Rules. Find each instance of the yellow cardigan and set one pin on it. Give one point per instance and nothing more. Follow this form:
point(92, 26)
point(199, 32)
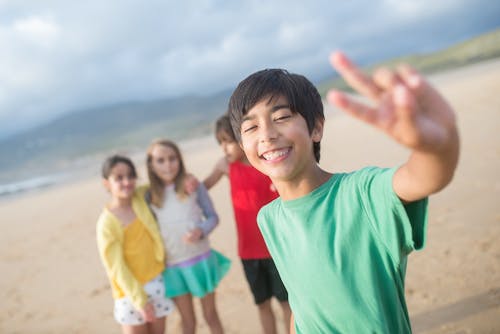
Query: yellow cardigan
point(110, 244)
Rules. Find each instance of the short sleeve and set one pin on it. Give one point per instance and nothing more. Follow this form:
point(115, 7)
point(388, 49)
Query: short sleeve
point(401, 227)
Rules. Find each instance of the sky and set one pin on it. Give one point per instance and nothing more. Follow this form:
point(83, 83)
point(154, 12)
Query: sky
point(59, 56)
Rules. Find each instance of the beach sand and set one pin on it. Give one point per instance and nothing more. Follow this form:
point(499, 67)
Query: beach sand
point(52, 280)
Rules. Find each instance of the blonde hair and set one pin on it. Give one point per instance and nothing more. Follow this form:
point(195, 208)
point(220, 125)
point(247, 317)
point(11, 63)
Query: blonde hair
point(157, 186)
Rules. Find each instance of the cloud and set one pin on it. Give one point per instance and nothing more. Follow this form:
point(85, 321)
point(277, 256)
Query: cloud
point(59, 56)
point(39, 31)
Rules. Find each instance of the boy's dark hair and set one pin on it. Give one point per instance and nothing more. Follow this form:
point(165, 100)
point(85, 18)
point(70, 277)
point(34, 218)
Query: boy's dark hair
point(223, 125)
point(302, 96)
point(112, 161)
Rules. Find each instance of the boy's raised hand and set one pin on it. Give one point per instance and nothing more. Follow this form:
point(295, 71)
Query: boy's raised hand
point(405, 105)
point(412, 112)
point(191, 183)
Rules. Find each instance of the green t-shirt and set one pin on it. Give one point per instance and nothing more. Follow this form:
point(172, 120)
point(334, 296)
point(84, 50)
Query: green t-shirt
point(341, 252)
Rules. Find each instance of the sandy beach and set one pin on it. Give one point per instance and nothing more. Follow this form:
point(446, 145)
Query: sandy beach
point(52, 280)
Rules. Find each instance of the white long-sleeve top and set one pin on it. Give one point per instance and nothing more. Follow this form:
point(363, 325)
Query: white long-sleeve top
point(179, 216)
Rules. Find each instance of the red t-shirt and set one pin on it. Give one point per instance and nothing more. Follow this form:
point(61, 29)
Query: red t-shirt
point(250, 191)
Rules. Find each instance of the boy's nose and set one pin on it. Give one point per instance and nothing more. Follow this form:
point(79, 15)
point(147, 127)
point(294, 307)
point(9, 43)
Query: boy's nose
point(268, 132)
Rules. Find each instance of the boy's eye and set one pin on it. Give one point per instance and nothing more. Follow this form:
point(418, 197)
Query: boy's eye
point(282, 117)
point(282, 114)
point(248, 128)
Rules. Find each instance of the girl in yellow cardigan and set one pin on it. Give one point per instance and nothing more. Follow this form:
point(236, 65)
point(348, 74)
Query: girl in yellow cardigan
point(132, 252)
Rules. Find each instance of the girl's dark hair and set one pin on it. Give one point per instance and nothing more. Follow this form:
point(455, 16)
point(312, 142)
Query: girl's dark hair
point(112, 161)
point(270, 84)
point(223, 125)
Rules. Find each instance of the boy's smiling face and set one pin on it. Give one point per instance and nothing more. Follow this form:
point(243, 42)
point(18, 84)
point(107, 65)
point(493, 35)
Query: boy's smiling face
point(277, 141)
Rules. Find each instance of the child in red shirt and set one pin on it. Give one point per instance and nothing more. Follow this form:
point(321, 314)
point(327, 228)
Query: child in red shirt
point(250, 190)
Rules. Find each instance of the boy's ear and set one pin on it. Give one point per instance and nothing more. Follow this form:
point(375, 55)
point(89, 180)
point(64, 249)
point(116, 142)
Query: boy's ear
point(317, 132)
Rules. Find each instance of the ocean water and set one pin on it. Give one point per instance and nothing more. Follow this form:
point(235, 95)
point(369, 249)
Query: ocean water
point(35, 177)
point(26, 180)
point(30, 184)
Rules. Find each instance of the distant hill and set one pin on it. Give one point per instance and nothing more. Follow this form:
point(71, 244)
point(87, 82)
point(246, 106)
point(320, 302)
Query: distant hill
point(93, 131)
point(69, 140)
point(483, 47)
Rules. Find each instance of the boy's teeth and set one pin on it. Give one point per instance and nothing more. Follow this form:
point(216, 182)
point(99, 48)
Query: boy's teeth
point(274, 154)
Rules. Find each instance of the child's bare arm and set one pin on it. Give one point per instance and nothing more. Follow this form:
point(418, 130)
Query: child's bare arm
point(412, 112)
point(220, 169)
point(148, 312)
point(193, 236)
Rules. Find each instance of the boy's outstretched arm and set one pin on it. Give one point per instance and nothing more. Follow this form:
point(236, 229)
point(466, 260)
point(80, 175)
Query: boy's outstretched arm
point(221, 168)
point(413, 113)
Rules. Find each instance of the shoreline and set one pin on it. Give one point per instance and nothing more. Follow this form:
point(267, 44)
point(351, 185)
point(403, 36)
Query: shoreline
point(51, 179)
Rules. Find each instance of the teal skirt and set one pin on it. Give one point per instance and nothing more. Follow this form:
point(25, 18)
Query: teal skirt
point(199, 276)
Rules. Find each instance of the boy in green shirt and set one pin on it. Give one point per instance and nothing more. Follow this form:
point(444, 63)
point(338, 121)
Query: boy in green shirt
point(340, 241)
